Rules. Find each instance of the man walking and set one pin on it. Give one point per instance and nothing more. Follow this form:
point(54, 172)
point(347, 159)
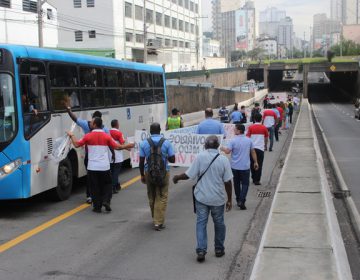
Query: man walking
point(270, 120)
point(174, 121)
point(209, 125)
point(254, 111)
point(118, 157)
point(157, 151)
point(240, 148)
point(210, 195)
point(259, 134)
point(98, 166)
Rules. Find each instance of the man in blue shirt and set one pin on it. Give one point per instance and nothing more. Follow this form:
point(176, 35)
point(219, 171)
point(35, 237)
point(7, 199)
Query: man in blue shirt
point(157, 194)
point(209, 125)
point(236, 116)
point(212, 194)
point(240, 147)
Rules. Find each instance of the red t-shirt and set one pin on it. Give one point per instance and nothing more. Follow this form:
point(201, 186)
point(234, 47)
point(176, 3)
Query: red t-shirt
point(258, 132)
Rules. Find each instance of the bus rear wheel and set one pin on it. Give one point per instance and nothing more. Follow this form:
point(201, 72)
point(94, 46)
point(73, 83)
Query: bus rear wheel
point(65, 181)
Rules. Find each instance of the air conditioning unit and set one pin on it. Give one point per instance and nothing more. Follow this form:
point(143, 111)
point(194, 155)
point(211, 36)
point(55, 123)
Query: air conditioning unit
point(154, 43)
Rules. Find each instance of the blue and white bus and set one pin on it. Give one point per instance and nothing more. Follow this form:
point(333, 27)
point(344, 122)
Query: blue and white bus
point(41, 79)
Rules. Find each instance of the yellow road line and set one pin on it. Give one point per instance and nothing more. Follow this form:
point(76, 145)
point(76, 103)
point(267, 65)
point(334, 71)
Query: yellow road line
point(6, 246)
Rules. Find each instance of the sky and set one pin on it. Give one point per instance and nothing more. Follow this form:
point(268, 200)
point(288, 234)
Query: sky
point(301, 11)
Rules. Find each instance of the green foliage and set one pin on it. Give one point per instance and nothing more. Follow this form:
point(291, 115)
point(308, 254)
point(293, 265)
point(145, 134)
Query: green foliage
point(348, 48)
point(207, 74)
point(256, 53)
point(237, 55)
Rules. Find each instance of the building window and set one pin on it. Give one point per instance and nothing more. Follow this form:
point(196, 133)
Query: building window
point(49, 14)
point(139, 13)
point(181, 44)
point(187, 45)
point(180, 3)
point(90, 3)
point(174, 1)
point(167, 42)
point(78, 36)
point(167, 21)
point(186, 27)
point(192, 28)
point(139, 38)
point(128, 37)
point(149, 16)
point(158, 18)
point(92, 34)
point(191, 6)
point(196, 8)
point(128, 9)
point(175, 43)
point(77, 3)
point(186, 2)
point(30, 6)
point(174, 23)
point(181, 25)
point(5, 3)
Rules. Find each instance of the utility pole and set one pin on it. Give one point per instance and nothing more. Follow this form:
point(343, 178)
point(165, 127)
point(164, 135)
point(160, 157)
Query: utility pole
point(40, 22)
point(145, 34)
point(304, 46)
point(341, 35)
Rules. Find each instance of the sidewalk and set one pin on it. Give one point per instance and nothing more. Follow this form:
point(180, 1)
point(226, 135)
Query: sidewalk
point(302, 239)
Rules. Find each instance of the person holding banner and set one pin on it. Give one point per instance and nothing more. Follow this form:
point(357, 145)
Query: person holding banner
point(98, 166)
point(240, 148)
point(209, 125)
point(157, 192)
point(212, 193)
point(174, 121)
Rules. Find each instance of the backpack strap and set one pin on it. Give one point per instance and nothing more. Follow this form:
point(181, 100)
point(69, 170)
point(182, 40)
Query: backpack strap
point(158, 146)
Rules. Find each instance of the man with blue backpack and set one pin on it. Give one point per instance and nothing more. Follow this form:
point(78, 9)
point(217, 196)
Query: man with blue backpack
point(155, 153)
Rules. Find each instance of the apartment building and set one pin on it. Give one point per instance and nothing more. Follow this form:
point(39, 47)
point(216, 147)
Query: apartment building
point(171, 29)
point(19, 23)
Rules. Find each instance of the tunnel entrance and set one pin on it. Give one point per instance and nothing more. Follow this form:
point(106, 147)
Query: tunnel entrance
point(280, 80)
point(256, 75)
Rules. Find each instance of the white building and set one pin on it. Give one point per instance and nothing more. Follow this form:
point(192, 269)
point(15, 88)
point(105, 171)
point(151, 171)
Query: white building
point(172, 29)
point(269, 21)
point(211, 48)
point(19, 23)
point(285, 35)
point(269, 45)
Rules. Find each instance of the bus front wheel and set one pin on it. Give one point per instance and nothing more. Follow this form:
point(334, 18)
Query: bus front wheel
point(65, 180)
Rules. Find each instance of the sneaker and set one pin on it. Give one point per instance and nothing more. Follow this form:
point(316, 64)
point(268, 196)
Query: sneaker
point(107, 207)
point(114, 191)
point(96, 210)
point(219, 253)
point(159, 227)
point(257, 183)
point(270, 150)
point(201, 256)
point(88, 200)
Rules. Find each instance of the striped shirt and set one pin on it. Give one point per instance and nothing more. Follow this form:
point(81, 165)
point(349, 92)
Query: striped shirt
point(97, 142)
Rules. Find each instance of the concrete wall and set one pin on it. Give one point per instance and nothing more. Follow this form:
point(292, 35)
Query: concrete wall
point(193, 99)
point(225, 79)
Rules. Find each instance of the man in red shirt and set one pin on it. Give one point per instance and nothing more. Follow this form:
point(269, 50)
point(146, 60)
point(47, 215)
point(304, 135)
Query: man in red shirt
point(98, 165)
point(259, 134)
point(117, 159)
point(270, 120)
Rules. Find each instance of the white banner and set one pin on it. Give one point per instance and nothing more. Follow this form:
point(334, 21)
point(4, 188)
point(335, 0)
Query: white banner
point(186, 146)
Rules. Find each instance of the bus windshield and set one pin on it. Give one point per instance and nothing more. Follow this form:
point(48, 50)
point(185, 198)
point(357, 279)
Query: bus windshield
point(7, 108)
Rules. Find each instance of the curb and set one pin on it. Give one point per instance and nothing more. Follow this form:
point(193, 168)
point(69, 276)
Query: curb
point(349, 202)
point(337, 242)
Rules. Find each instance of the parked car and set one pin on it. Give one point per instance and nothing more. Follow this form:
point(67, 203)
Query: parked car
point(321, 79)
point(261, 85)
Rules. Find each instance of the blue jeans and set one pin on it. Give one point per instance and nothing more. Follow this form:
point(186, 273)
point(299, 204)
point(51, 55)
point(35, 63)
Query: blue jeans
point(202, 214)
point(241, 184)
point(271, 136)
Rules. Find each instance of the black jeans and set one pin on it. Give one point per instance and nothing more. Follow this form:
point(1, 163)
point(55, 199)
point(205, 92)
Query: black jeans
point(290, 116)
point(277, 127)
point(88, 191)
point(100, 185)
point(256, 174)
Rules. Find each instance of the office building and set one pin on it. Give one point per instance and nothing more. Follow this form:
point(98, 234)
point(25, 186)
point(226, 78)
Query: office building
point(325, 31)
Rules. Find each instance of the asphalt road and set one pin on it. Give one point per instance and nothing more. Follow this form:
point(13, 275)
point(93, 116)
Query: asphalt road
point(121, 244)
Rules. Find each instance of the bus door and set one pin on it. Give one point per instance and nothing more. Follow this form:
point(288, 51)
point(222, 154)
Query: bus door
point(36, 116)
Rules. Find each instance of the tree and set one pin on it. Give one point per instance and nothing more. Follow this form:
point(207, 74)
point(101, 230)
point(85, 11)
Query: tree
point(298, 53)
point(330, 55)
point(256, 53)
point(237, 55)
point(348, 48)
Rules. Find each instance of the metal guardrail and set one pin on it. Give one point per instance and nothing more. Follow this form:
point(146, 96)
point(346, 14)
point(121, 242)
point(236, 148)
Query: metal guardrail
point(188, 74)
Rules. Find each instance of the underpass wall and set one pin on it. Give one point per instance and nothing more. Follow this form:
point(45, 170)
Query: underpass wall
point(219, 78)
point(193, 99)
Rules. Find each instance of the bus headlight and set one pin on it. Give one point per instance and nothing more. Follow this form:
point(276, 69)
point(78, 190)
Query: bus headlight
point(9, 168)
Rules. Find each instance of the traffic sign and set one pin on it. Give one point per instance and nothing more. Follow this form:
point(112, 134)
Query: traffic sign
point(333, 68)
